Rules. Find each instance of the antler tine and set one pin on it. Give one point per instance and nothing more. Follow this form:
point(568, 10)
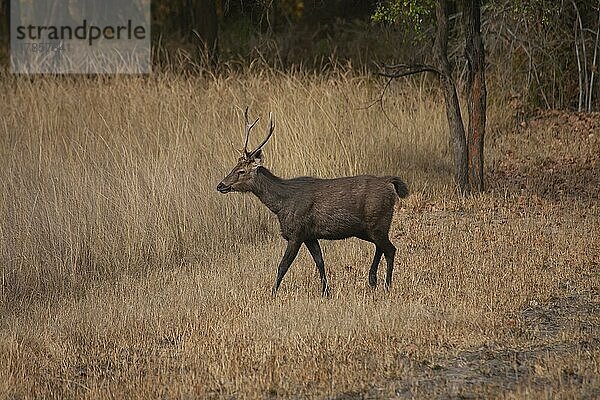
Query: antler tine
point(271, 129)
point(247, 127)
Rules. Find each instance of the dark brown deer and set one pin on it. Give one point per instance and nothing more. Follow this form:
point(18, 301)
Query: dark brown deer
point(310, 209)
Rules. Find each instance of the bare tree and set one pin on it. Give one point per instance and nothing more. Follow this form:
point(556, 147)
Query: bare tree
point(467, 149)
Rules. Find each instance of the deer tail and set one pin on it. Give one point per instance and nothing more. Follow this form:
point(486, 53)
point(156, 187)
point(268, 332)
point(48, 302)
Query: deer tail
point(400, 186)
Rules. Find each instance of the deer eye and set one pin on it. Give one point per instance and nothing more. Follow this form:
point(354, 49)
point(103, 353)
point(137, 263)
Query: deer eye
point(240, 171)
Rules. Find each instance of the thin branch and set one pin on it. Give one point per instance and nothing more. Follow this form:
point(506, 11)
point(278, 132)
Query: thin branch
point(579, 74)
point(379, 101)
point(401, 70)
point(583, 50)
point(532, 70)
point(594, 65)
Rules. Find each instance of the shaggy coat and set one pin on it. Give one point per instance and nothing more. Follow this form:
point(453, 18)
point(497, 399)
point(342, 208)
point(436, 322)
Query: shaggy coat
point(310, 209)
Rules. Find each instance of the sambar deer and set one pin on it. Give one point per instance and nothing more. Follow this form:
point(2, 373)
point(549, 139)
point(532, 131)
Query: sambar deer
point(310, 208)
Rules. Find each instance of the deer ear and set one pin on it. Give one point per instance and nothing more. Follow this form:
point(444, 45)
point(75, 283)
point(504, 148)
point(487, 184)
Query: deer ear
point(257, 160)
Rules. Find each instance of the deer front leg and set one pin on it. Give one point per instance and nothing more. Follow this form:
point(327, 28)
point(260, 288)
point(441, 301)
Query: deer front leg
point(315, 251)
point(290, 254)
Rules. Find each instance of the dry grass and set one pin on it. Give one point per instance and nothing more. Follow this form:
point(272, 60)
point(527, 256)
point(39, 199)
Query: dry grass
point(125, 274)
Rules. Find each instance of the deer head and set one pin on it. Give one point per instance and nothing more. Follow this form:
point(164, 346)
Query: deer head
point(242, 175)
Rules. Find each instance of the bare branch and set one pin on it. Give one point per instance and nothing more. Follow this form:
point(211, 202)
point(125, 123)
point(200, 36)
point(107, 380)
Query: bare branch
point(594, 65)
point(583, 93)
point(398, 71)
point(401, 70)
point(379, 101)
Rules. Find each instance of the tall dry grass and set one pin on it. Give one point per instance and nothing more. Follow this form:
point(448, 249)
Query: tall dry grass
point(125, 274)
point(106, 177)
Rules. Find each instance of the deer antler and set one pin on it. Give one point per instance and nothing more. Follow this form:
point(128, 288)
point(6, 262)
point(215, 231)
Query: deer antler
point(247, 127)
point(269, 133)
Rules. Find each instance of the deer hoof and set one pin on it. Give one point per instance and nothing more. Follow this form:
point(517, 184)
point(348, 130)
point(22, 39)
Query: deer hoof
point(372, 281)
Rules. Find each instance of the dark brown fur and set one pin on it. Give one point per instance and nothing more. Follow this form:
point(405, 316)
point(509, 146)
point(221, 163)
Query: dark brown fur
point(310, 209)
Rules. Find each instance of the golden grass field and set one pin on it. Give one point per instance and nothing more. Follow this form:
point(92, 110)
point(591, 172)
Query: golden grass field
point(125, 274)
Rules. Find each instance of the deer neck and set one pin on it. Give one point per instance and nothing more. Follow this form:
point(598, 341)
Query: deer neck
point(270, 189)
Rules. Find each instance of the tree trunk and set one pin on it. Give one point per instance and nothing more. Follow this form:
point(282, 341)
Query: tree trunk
point(476, 91)
point(455, 122)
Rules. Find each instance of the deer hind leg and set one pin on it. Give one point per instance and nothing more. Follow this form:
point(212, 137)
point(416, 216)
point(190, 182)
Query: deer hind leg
point(390, 251)
point(290, 254)
point(382, 245)
point(315, 251)
point(374, 266)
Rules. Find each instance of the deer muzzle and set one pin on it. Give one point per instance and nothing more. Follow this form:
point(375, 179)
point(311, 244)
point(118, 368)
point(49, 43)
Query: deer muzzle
point(221, 187)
